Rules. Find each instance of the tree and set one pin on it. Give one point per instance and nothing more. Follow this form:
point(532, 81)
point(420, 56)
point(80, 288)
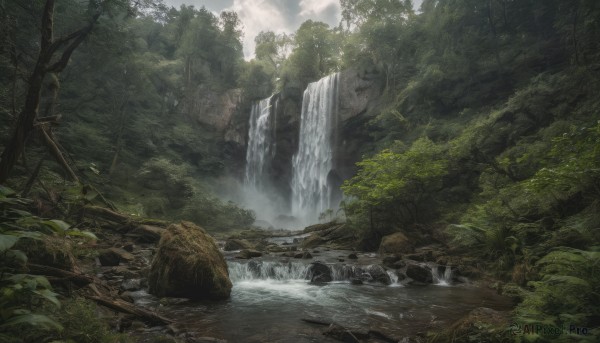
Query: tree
point(392, 187)
point(315, 54)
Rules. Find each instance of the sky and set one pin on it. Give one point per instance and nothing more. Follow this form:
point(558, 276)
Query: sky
point(279, 16)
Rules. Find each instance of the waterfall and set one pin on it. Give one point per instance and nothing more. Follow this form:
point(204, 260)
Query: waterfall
point(286, 271)
point(439, 278)
point(263, 270)
point(261, 146)
point(311, 191)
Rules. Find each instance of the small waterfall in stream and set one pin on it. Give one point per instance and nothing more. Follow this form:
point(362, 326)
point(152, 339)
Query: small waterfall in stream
point(441, 278)
point(289, 271)
point(311, 189)
point(261, 146)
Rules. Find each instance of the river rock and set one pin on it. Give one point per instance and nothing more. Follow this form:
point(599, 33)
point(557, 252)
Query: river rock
point(419, 273)
point(131, 285)
point(396, 243)
point(188, 264)
point(378, 274)
point(237, 244)
point(389, 261)
point(353, 256)
point(248, 253)
point(112, 256)
point(319, 272)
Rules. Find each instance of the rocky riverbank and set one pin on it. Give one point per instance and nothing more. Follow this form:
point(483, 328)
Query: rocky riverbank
point(180, 262)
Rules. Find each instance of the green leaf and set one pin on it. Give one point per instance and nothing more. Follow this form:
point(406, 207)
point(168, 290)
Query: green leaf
point(48, 295)
point(7, 242)
point(37, 320)
point(17, 255)
point(85, 234)
point(5, 191)
point(56, 225)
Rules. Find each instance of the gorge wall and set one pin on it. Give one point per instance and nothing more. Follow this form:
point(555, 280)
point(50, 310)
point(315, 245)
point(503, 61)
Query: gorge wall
point(228, 115)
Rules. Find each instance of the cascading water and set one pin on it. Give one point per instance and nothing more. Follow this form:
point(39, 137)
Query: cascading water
point(261, 147)
point(439, 278)
point(311, 191)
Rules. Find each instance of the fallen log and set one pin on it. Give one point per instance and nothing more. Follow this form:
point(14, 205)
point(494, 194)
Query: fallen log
point(125, 307)
point(78, 279)
point(120, 218)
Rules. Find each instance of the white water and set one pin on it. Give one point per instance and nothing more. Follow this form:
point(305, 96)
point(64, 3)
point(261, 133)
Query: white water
point(440, 279)
point(261, 148)
point(311, 191)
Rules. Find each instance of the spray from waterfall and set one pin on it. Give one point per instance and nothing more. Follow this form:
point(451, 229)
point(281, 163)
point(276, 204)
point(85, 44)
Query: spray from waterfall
point(311, 189)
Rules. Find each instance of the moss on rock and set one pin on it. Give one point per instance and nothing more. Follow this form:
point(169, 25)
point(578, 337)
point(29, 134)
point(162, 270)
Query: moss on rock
point(396, 243)
point(188, 264)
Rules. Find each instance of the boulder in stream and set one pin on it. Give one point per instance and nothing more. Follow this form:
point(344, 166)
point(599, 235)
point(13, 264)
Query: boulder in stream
point(419, 273)
point(188, 264)
point(237, 244)
point(319, 272)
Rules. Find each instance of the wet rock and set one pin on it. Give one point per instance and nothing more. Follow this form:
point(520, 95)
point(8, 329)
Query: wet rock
point(126, 296)
point(378, 274)
point(336, 236)
point(396, 243)
point(356, 281)
point(341, 260)
point(112, 256)
point(275, 248)
point(237, 244)
point(125, 271)
point(298, 255)
point(419, 273)
point(423, 256)
point(248, 253)
point(319, 272)
point(147, 233)
point(129, 247)
point(353, 256)
point(389, 261)
point(131, 285)
point(188, 264)
point(307, 255)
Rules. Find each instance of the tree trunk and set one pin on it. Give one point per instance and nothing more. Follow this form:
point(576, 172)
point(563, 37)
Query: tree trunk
point(27, 117)
point(55, 151)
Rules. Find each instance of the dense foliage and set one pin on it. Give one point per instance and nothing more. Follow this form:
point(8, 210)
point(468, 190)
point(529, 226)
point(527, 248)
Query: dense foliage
point(488, 126)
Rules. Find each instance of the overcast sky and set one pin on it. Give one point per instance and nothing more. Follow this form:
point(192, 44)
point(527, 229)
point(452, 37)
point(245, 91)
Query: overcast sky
point(278, 16)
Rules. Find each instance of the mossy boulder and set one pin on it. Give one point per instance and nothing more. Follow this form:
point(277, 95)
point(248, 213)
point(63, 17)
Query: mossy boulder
point(188, 264)
point(396, 243)
point(50, 251)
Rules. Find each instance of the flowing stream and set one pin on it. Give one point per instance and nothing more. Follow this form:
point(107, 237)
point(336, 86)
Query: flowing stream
point(311, 191)
point(270, 298)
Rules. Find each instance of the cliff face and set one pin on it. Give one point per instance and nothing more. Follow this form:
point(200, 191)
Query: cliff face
point(359, 95)
point(227, 116)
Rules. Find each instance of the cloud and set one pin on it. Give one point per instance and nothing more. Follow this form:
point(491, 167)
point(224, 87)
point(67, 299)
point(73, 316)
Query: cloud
point(257, 16)
point(280, 16)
